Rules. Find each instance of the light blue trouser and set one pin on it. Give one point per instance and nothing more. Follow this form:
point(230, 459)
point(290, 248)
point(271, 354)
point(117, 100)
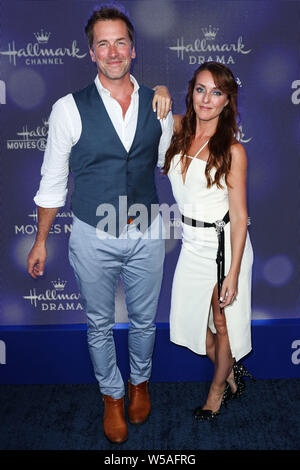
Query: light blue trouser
point(97, 265)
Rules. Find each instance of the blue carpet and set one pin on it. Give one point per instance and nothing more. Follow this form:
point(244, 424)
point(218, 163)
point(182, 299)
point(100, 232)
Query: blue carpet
point(68, 417)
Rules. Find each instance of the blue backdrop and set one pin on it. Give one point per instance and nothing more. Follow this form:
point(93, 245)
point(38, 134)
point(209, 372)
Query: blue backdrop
point(44, 55)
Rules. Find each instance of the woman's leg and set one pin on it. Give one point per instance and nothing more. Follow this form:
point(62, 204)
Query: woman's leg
point(210, 352)
point(219, 352)
point(210, 345)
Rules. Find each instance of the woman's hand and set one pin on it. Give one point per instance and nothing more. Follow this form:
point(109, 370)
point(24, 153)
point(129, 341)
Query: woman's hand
point(161, 102)
point(229, 290)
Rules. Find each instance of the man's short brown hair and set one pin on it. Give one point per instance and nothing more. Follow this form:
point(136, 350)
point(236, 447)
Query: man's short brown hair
point(107, 12)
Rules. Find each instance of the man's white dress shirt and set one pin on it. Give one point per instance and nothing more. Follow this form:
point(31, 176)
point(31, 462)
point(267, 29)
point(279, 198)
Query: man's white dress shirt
point(64, 132)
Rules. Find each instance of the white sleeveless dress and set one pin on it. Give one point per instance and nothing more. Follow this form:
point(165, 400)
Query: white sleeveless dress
point(196, 271)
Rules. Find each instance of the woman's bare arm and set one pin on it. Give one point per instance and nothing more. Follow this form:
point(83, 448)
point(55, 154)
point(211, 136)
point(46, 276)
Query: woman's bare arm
point(238, 220)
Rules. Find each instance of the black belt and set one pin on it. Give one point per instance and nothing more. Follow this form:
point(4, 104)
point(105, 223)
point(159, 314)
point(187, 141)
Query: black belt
point(219, 227)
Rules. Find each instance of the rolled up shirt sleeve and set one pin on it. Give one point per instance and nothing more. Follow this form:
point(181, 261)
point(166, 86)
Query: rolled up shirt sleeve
point(167, 126)
point(53, 190)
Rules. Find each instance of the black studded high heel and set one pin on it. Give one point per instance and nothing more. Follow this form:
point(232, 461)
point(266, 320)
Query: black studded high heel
point(209, 415)
point(239, 371)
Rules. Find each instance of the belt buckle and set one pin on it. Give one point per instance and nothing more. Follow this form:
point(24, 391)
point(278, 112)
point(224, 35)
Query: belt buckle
point(220, 224)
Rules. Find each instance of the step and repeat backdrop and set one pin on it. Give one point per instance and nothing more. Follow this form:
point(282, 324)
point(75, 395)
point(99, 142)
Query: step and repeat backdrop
point(44, 55)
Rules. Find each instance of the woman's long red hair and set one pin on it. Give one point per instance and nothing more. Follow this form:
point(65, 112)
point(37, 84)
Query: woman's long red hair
point(226, 131)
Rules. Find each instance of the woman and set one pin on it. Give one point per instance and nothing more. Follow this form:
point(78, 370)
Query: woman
point(211, 312)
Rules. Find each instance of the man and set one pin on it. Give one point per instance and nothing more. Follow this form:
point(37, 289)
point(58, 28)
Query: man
point(110, 137)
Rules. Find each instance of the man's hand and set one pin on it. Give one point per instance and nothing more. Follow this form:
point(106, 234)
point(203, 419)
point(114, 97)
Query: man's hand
point(161, 102)
point(38, 254)
point(36, 260)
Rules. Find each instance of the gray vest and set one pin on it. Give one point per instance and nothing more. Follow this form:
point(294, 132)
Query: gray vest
point(103, 169)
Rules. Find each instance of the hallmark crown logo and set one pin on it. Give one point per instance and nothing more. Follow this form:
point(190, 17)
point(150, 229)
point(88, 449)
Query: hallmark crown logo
point(210, 33)
point(59, 285)
point(54, 299)
point(30, 138)
point(42, 37)
point(38, 52)
point(208, 49)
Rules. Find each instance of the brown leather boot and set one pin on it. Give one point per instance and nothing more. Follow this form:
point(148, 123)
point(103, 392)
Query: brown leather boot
point(139, 406)
point(114, 424)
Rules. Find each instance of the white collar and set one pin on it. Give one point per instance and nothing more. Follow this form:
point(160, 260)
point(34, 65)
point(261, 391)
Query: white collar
point(101, 88)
